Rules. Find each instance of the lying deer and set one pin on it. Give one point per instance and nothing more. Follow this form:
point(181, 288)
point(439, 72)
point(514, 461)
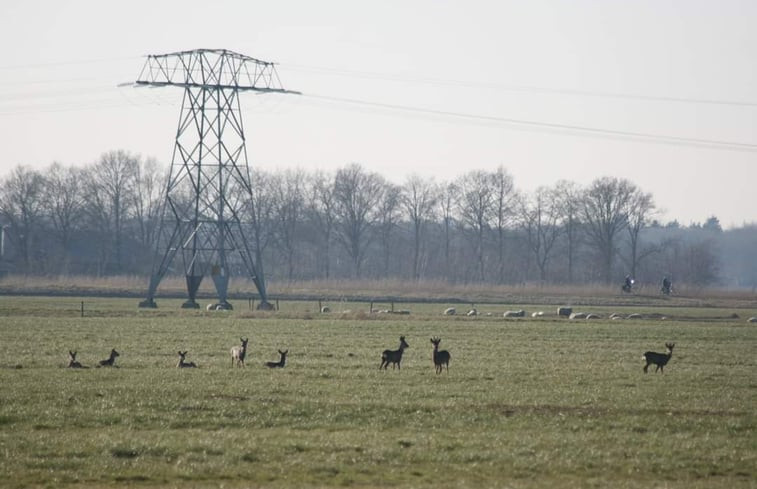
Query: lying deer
point(281, 362)
point(182, 363)
point(108, 362)
point(441, 358)
point(393, 356)
point(72, 363)
point(659, 359)
point(239, 352)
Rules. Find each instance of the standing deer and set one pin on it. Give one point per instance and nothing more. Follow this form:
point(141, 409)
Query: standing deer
point(108, 362)
point(72, 363)
point(659, 359)
point(441, 358)
point(182, 363)
point(393, 356)
point(239, 352)
point(281, 362)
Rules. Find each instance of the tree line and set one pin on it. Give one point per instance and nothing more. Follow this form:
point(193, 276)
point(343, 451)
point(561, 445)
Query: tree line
point(103, 219)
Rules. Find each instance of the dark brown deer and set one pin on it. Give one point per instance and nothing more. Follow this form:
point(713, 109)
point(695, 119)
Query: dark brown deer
point(281, 362)
point(659, 359)
point(441, 358)
point(72, 363)
point(393, 356)
point(239, 352)
point(108, 362)
point(182, 363)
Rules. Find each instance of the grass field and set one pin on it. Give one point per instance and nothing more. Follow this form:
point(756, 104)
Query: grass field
point(542, 402)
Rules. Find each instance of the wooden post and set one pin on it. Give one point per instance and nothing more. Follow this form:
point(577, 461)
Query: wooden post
point(277, 304)
point(249, 303)
point(82, 308)
point(392, 306)
point(320, 307)
point(371, 307)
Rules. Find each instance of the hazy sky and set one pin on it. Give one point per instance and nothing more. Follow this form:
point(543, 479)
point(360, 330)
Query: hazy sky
point(678, 69)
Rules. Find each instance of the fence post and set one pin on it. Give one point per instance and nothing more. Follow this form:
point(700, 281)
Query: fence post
point(320, 307)
point(371, 307)
point(277, 304)
point(392, 306)
point(82, 308)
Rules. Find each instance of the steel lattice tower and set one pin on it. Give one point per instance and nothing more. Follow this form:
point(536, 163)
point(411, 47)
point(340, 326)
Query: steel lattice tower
point(209, 190)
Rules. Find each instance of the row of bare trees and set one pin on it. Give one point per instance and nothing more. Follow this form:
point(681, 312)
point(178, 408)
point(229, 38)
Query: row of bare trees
point(103, 219)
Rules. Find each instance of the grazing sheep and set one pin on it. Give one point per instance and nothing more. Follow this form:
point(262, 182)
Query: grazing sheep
point(472, 312)
point(752, 320)
point(615, 315)
point(325, 310)
point(564, 311)
point(635, 316)
point(450, 311)
point(578, 315)
point(514, 314)
point(593, 316)
point(537, 314)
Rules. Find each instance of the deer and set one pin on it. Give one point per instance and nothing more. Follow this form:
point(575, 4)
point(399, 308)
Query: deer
point(72, 363)
point(182, 363)
point(239, 352)
point(659, 359)
point(441, 358)
point(108, 362)
point(393, 356)
point(281, 362)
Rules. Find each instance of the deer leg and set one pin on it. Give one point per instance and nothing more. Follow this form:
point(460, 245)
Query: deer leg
point(646, 367)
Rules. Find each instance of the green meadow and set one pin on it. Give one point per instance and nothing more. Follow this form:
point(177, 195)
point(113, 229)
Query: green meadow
point(527, 402)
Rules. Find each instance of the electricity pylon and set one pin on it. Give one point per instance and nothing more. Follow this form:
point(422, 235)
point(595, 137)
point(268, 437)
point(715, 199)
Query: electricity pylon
point(208, 196)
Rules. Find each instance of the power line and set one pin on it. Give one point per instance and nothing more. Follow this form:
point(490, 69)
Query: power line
point(591, 131)
point(517, 88)
point(68, 62)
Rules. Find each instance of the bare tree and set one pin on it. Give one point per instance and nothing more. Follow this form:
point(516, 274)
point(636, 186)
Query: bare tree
point(605, 212)
point(109, 200)
point(357, 194)
point(476, 203)
point(259, 214)
point(448, 198)
point(641, 208)
point(321, 211)
point(288, 204)
point(22, 205)
point(539, 217)
point(64, 203)
point(387, 216)
point(149, 183)
point(569, 204)
point(419, 199)
point(504, 203)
